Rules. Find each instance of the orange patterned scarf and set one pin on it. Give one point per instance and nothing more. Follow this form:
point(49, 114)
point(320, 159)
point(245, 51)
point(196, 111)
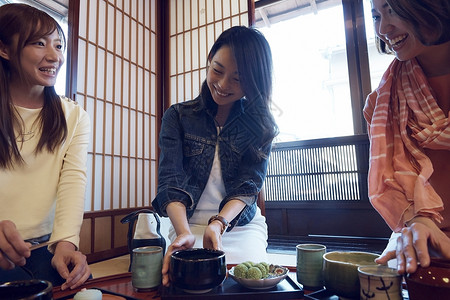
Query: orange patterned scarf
point(403, 117)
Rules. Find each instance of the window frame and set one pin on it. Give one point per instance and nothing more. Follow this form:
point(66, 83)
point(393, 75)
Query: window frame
point(357, 56)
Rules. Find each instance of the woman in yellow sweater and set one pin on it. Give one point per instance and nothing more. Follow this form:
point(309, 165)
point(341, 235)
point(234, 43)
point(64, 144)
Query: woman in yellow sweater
point(43, 151)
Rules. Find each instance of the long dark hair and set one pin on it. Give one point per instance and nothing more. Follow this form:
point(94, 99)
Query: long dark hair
point(27, 24)
point(425, 17)
point(254, 61)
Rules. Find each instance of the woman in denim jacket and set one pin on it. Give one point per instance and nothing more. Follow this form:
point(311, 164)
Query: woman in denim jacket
point(214, 153)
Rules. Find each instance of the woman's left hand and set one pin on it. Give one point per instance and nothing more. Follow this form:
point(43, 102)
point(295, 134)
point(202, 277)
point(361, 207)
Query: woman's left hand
point(414, 244)
point(212, 239)
point(71, 265)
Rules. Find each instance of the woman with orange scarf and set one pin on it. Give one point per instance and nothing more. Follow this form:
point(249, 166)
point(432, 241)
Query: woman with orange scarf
point(408, 124)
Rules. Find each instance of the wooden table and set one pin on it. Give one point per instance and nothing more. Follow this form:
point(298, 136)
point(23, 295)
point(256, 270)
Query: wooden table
point(120, 284)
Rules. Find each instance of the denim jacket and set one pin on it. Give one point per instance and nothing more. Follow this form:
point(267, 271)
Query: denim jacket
point(188, 140)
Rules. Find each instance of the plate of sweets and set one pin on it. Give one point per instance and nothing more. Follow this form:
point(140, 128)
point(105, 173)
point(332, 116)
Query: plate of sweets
point(258, 276)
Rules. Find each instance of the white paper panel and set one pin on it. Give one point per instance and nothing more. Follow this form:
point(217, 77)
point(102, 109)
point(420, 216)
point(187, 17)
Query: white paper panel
point(139, 177)
point(209, 12)
point(98, 147)
point(118, 81)
point(153, 52)
point(194, 49)
point(92, 22)
point(108, 131)
point(133, 41)
point(187, 51)
point(226, 9)
point(140, 130)
point(180, 53)
point(127, 37)
point(91, 57)
point(132, 133)
point(153, 138)
point(179, 17)
point(234, 7)
point(146, 49)
point(194, 13)
point(187, 14)
point(116, 182)
point(140, 45)
point(153, 94)
point(125, 132)
point(202, 12)
point(140, 89)
point(90, 108)
point(100, 73)
point(125, 83)
point(118, 33)
point(82, 20)
point(81, 74)
point(146, 96)
point(147, 136)
point(153, 15)
point(109, 73)
point(97, 181)
point(101, 24)
point(124, 182)
point(132, 86)
point(110, 28)
point(118, 121)
point(180, 89)
point(146, 183)
point(107, 181)
point(173, 56)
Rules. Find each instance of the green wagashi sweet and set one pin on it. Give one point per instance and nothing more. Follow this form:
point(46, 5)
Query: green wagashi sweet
point(240, 271)
point(254, 273)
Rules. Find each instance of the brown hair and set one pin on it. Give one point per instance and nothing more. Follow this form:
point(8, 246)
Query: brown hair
point(27, 24)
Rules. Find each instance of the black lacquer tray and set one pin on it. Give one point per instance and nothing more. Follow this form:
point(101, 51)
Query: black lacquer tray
point(230, 289)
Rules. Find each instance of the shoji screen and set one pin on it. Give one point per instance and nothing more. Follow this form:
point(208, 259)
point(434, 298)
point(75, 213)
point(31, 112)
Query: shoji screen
point(194, 26)
point(116, 83)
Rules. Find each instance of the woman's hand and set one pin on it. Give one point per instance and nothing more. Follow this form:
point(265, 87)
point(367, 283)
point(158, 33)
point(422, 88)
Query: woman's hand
point(71, 265)
point(415, 243)
point(183, 241)
point(13, 250)
point(212, 239)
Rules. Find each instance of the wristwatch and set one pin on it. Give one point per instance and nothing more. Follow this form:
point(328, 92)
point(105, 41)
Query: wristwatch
point(222, 220)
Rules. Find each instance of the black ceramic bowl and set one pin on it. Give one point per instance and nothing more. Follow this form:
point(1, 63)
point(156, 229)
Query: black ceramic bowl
point(26, 290)
point(197, 270)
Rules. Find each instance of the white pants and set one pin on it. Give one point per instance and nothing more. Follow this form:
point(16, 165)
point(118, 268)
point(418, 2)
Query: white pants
point(242, 243)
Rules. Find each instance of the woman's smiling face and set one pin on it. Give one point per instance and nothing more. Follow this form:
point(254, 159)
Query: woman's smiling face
point(395, 32)
point(223, 77)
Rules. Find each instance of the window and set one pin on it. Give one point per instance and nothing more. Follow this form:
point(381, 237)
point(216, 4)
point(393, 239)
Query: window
point(321, 69)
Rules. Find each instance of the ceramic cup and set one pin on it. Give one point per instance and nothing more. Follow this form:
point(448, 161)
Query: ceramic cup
point(310, 265)
point(379, 282)
point(146, 267)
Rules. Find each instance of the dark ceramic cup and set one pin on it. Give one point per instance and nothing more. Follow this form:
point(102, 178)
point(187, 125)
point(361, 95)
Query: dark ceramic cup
point(197, 270)
point(26, 290)
point(432, 282)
